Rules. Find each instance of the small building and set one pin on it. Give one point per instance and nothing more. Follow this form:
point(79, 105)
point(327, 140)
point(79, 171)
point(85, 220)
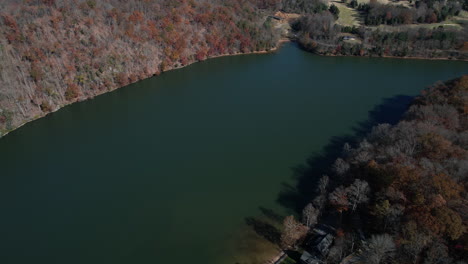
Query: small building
point(318, 246)
point(349, 38)
point(323, 246)
point(307, 258)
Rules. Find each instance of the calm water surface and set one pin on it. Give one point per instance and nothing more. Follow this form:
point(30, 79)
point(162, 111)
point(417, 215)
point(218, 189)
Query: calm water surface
point(167, 170)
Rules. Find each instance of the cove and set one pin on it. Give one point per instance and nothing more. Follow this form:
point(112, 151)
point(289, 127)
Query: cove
point(175, 168)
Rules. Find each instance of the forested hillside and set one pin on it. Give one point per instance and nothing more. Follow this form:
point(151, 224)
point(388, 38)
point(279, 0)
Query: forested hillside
point(54, 52)
point(400, 194)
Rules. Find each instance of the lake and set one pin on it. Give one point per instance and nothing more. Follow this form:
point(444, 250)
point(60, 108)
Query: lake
point(193, 165)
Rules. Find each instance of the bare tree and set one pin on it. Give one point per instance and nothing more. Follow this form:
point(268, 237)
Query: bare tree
point(347, 149)
point(378, 249)
point(319, 201)
point(358, 193)
point(339, 199)
point(323, 184)
point(292, 232)
point(340, 167)
point(364, 152)
point(310, 215)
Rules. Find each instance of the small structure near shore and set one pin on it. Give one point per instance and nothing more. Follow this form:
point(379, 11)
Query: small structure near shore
point(308, 258)
point(318, 246)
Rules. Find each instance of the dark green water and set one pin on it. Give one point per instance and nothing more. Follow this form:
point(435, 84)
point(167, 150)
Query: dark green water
point(167, 170)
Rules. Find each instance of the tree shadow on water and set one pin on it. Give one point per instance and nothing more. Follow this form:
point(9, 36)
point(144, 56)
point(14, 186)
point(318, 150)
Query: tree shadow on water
point(272, 215)
point(295, 197)
point(264, 229)
point(307, 175)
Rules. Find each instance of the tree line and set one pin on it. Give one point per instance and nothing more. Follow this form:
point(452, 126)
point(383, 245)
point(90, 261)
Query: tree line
point(401, 192)
point(424, 11)
point(53, 52)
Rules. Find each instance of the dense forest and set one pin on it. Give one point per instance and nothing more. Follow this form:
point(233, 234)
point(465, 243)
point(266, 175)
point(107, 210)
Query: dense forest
point(54, 52)
point(399, 194)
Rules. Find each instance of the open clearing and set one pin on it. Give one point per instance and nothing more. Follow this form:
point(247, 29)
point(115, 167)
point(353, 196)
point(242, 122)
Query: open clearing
point(351, 17)
point(348, 16)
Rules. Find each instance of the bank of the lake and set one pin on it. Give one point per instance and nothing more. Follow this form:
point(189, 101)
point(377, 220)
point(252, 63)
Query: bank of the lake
point(193, 165)
point(321, 50)
point(168, 68)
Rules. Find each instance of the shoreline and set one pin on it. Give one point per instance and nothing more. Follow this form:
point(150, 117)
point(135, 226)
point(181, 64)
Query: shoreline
point(386, 56)
point(78, 100)
point(391, 57)
point(272, 50)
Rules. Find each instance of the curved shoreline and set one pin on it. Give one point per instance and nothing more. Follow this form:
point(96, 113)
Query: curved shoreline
point(376, 56)
point(272, 50)
point(391, 57)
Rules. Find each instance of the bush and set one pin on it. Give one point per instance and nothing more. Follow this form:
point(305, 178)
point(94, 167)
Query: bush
point(46, 107)
point(72, 92)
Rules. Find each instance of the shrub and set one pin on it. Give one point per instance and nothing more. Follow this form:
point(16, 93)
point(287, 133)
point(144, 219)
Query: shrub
point(72, 92)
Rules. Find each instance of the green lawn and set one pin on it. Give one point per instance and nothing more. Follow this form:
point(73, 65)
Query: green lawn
point(348, 16)
point(288, 260)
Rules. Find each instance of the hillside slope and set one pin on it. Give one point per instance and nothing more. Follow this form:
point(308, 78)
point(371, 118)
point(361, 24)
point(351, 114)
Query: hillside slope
point(55, 52)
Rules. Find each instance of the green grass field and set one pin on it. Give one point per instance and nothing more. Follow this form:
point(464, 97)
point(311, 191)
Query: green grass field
point(348, 16)
point(288, 260)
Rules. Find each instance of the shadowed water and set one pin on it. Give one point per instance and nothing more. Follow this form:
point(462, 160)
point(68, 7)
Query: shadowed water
point(179, 168)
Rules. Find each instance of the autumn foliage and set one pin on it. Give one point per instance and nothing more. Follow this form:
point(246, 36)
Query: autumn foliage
point(293, 231)
point(60, 51)
point(408, 182)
